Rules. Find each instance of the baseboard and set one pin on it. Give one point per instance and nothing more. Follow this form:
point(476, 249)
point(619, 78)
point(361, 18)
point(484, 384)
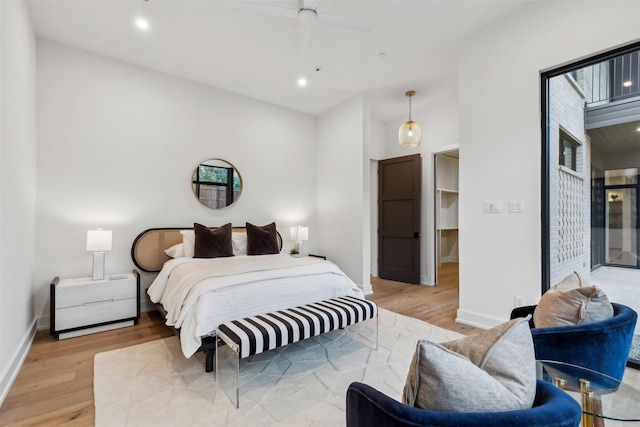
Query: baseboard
point(44, 322)
point(424, 280)
point(146, 306)
point(9, 375)
point(477, 320)
point(449, 259)
point(367, 289)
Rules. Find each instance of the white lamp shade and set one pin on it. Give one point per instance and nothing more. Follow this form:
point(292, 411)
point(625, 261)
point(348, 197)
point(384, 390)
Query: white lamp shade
point(98, 240)
point(299, 233)
point(410, 134)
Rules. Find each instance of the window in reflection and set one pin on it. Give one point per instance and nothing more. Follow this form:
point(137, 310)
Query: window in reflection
point(216, 184)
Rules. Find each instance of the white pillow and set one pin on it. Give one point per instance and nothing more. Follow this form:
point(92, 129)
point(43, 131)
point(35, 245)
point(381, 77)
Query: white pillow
point(189, 241)
point(175, 251)
point(239, 240)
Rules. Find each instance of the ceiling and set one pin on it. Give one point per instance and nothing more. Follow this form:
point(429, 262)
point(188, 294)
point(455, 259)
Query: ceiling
point(619, 138)
point(213, 43)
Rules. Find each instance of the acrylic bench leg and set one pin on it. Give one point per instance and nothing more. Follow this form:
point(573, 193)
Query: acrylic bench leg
point(366, 332)
point(377, 329)
point(228, 371)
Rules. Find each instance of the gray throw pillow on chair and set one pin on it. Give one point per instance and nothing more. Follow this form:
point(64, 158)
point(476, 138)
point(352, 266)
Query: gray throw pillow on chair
point(490, 371)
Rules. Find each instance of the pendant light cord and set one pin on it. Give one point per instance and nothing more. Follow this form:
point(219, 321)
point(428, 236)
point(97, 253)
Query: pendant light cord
point(410, 95)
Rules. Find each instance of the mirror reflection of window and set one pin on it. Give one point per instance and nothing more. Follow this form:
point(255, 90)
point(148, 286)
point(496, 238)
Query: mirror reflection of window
point(216, 183)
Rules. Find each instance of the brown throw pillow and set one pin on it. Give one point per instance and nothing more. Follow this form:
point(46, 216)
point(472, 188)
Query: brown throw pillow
point(262, 240)
point(572, 281)
point(576, 306)
point(212, 243)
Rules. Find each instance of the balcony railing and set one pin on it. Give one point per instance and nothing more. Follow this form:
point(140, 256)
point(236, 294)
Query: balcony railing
point(610, 81)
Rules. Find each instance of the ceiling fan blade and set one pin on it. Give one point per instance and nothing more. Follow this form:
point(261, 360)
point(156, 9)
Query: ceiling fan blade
point(346, 22)
point(265, 10)
point(302, 38)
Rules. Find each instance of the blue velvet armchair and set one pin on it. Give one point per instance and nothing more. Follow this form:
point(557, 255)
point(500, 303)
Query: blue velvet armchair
point(367, 407)
point(601, 346)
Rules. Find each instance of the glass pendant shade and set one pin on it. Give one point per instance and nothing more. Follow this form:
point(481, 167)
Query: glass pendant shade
point(410, 134)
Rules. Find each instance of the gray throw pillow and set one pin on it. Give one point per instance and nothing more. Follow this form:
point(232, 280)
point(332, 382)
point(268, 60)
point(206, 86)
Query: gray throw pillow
point(490, 371)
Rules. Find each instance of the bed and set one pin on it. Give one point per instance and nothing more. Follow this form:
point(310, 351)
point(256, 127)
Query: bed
point(197, 294)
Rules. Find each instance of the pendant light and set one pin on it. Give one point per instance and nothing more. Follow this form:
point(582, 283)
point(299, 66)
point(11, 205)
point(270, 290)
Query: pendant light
point(410, 133)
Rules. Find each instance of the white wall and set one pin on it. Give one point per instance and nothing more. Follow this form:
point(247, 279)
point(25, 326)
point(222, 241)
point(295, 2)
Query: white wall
point(17, 187)
point(343, 194)
point(440, 123)
point(117, 148)
point(500, 142)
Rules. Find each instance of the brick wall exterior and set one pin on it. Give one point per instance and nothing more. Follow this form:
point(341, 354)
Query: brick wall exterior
point(570, 192)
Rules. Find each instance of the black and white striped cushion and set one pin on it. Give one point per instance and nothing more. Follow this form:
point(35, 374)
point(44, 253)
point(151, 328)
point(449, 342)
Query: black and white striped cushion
point(256, 334)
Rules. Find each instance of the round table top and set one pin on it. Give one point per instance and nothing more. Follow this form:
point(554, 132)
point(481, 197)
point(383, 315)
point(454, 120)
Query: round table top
point(613, 399)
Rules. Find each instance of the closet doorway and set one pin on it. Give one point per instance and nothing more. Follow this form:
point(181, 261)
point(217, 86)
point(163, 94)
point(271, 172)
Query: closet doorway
point(446, 171)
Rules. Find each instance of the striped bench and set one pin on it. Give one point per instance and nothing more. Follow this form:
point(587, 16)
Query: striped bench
point(256, 334)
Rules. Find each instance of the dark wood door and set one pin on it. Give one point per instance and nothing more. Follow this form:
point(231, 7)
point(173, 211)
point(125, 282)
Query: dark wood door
point(399, 184)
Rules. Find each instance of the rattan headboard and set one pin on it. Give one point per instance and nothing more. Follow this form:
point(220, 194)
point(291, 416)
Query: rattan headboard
point(148, 248)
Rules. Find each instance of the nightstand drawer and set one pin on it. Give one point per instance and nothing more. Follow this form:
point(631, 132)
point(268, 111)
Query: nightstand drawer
point(95, 312)
point(78, 292)
point(81, 306)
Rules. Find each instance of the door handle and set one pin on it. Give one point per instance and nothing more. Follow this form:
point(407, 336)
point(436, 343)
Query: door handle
point(416, 235)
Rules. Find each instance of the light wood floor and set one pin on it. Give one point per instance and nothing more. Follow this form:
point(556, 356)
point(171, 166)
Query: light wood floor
point(434, 304)
point(55, 384)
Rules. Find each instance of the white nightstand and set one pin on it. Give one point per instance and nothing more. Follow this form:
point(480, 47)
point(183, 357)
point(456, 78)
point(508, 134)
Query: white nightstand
point(82, 306)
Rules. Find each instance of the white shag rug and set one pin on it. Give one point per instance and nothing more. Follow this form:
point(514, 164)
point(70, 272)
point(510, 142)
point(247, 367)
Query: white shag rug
point(301, 384)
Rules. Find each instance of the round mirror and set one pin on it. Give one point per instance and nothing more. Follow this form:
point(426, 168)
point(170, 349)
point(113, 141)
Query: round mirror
point(216, 183)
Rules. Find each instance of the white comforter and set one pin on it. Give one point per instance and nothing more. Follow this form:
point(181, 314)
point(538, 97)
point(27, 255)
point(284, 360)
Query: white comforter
point(199, 294)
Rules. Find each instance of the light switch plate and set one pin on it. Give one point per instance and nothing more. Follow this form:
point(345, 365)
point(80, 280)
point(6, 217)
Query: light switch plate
point(516, 206)
point(491, 206)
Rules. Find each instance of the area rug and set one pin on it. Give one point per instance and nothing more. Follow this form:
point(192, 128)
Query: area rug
point(634, 353)
point(302, 384)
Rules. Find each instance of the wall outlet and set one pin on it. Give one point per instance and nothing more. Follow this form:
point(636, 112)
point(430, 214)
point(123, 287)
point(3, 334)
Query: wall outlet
point(518, 301)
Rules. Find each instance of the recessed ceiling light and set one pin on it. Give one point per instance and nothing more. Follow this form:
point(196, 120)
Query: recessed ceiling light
point(638, 129)
point(302, 82)
point(627, 83)
point(142, 24)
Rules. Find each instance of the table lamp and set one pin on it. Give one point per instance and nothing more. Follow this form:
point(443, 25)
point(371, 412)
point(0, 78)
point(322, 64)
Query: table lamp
point(98, 241)
point(299, 234)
